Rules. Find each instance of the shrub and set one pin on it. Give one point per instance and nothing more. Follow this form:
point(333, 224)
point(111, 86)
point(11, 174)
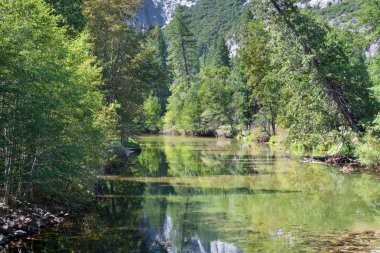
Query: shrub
point(368, 150)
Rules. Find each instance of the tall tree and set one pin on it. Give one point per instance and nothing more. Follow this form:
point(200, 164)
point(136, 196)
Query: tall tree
point(125, 63)
point(156, 42)
point(222, 54)
point(50, 136)
point(183, 50)
point(329, 60)
point(256, 57)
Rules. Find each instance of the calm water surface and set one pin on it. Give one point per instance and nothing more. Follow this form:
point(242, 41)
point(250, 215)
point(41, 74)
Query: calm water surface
point(213, 195)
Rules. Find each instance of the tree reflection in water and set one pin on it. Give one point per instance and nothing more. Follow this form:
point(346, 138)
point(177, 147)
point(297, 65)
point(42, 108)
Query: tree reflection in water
point(211, 195)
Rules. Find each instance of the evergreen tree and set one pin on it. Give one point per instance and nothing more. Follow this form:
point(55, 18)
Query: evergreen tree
point(222, 54)
point(329, 54)
point(183, 50)
point(156, 40)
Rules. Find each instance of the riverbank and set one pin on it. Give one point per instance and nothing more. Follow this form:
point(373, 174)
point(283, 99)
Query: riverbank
point(24, 220)
point(347, 164)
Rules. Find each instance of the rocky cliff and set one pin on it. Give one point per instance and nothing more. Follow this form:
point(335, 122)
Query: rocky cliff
point(158, 12)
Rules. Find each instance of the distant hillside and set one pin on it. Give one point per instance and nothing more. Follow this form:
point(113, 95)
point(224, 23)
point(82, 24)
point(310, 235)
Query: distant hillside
point(210, 18)
point(342, 13)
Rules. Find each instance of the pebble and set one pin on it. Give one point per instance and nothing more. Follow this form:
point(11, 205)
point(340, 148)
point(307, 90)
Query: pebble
point(16, 224)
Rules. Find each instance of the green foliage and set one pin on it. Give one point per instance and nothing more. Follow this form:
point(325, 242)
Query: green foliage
point(50, 118)
point(70, 14)
point(183, 51)
point(152, 114)
point(368, 150)
point(344, 11)
point(132, 143)
point(215, 100)
point(156, 42)
point(211, 19)
point(369, 15)
point(222, 54)
point(132, 63)
point(262, 75)
point(314, 88)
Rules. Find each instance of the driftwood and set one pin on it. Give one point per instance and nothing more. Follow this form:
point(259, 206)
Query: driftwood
point(262, 139)
point(340, 160)
point(336, 160)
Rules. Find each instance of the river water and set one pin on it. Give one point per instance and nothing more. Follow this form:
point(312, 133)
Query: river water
point(215, 195)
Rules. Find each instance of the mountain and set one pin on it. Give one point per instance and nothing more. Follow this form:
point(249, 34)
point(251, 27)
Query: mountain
point(158, 12)
point(210, 18)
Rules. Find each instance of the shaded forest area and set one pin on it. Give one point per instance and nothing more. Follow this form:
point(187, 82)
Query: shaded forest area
point(77, 81)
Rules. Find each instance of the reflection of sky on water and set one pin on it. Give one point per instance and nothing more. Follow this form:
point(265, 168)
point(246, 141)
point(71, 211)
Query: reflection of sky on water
point(157, 239)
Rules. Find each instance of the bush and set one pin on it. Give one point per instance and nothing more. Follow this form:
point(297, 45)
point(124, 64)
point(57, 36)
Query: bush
point(368, 150)
point(273, 139)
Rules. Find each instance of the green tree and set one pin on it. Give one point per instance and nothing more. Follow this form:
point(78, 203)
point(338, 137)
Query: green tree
point(222, 54)
point(183, 50)
point(52, 138)
point(369, 15)
point(217, 95)
point(156, 41)
point(329, 55)
point(130, 68)
point(152, 114)
point(266, 86)
point(70, 14)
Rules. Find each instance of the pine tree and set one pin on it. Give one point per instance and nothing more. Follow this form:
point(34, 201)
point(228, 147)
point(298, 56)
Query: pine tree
point(183, 50)
point(156, 40)
point(222, 58)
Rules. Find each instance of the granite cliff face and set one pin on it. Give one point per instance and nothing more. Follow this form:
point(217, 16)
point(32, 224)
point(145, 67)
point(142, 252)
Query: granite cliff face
point(158, 12)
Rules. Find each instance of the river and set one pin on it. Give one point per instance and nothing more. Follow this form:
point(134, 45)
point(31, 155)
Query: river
point(215, 195)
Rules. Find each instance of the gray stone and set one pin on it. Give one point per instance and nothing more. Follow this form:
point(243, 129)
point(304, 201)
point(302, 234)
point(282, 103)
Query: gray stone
point(19, 233)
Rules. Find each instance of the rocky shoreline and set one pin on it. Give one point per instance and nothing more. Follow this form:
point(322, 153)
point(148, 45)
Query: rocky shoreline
point(20, 222)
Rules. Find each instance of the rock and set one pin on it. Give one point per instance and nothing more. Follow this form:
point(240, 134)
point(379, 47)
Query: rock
point(40, 223)
point(27, 220)
point(6, 229)
point(3, 240)
point(347, 170)
point(20, 233)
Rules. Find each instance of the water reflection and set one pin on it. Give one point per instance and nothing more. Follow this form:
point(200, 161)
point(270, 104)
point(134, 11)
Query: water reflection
point(213, 195)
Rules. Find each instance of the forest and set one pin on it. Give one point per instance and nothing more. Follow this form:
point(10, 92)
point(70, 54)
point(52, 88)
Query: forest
point(77, 81)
